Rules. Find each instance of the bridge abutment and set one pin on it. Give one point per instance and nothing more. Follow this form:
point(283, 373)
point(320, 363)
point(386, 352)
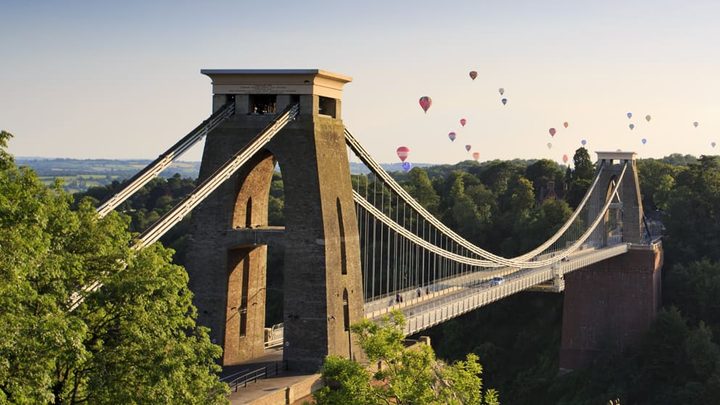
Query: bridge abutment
point(609, 305)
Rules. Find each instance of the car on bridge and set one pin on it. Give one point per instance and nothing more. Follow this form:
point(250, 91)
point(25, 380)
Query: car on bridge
point(497, 281)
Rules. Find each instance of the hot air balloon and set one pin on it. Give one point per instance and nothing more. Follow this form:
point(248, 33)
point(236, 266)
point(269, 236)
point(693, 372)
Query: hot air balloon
point(425, 103)
point(501, 90)
point(476, 156)
point(452, 136)
point(583, 142)
point(631, 126)
point(629, 115)
point(463, 121)
point(565, 124)
point(644, 141)
point(468, 147)
point(552, 131)
point(403, 152)
point(504, 101)
point(695, 124)
point(648, 118)
point(549, 145)
point(713, 144)
point(407, 166)
point(565, 158)
point(473, 74)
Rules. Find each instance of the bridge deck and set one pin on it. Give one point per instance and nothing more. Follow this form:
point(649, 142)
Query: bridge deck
point(462, 294)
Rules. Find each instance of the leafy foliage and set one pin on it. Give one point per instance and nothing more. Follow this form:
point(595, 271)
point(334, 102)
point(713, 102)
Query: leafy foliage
point(133, 341)
point(408, 375)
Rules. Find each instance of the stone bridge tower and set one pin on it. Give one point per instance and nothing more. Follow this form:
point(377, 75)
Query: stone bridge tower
point(322, 274)
point(610, 304)
point(626, 212)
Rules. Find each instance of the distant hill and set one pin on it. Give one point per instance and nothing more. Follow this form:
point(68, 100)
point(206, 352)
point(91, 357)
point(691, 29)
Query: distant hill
point(80, 174)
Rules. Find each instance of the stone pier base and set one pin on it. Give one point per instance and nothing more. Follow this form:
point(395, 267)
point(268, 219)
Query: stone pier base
point(609, 305)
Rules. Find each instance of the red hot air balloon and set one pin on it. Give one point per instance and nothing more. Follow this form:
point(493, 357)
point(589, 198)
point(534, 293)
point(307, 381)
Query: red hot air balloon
point(403, 152)
point(468, 147)
point(565, 158)
point(565, 124)
point(463, 121)
point(476, 156)
point(452, 136)
point(552, 131)
point(425, 103)
point(473, 74)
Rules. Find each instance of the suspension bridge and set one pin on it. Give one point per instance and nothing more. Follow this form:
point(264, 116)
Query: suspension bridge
point(360, 246)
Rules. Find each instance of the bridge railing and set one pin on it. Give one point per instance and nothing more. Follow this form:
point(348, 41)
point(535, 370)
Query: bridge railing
point(242, 379)
point(274, 336)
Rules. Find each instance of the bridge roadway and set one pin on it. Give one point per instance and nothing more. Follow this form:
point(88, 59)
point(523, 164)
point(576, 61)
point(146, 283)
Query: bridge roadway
point(450, 298)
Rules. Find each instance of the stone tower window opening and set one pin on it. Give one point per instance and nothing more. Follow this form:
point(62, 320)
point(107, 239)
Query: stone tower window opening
point(327, 106)
point(261, 104)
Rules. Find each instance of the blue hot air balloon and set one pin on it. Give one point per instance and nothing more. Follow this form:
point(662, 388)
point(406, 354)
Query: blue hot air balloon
point(583, 142)
point(644, 141)
point(407, 166)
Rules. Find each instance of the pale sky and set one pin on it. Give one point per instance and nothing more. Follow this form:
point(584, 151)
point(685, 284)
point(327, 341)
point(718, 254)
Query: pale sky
point(96, 79)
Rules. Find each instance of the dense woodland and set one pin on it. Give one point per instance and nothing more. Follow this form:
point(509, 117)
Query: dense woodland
point(509, 207)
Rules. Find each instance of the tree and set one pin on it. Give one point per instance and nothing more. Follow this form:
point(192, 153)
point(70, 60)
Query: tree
point(545, 221)
point(695, 288)
point(584, 168)
point(520, 196)
point(657, 180)
point(541, 174)
point(497, 175)
point(693, 217)
point(581, 177)
point(133, 341)
point(462, 213)
point(421, 188)
point(408, 375)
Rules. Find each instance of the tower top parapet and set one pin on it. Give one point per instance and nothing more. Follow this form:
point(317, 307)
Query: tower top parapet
point(269, 91)
point(277, 81)
point(619, 156)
